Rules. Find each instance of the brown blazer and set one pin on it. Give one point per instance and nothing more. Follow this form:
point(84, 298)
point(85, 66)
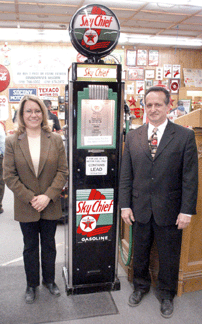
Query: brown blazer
point(19, 175)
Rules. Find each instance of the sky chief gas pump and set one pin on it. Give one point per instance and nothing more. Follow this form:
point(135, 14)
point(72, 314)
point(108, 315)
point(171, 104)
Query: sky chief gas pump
point(95, 133)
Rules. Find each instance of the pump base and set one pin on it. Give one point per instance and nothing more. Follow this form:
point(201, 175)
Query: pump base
point(92, 288)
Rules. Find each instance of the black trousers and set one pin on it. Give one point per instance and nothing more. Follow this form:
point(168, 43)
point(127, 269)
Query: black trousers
point(31, 231)
point(168, 239)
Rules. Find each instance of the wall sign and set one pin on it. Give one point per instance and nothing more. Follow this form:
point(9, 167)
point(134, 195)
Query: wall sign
point(35, 67)
point(94, 31)
point(3, 108)
point(48, 92)
point(153, 57)
point(4, 78)
point(167, 71)
point(176, 72)
point(135, 74)
point(174, 85)
point(15, 95)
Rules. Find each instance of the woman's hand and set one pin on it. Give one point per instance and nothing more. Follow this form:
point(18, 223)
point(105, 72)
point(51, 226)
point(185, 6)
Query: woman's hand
point(40, 202)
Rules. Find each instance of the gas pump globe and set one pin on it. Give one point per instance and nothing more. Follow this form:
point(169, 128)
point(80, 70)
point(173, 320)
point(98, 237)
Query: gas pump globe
point(95, 120)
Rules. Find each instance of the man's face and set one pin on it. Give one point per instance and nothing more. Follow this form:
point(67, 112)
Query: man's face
point(156, 108)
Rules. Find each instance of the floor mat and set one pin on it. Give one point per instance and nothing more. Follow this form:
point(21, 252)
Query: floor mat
point(47, 308)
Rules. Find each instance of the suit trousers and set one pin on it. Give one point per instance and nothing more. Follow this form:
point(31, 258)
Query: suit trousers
point(168, 240)
point(31, 231)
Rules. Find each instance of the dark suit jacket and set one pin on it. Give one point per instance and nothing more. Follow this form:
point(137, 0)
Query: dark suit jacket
point(19, 175)
point(164, 186)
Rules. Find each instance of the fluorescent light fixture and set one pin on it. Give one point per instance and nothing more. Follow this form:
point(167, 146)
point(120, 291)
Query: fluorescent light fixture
point(195, 3)
point(160, 40)
point(34, 35)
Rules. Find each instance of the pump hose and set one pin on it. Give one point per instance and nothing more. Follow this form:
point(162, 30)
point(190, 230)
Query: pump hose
point(126, 262)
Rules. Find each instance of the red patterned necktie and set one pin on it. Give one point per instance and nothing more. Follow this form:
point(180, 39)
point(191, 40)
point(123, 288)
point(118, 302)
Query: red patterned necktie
point(153, 142)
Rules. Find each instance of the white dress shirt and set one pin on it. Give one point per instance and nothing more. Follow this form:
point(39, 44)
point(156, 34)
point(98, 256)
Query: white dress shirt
point(160, 130)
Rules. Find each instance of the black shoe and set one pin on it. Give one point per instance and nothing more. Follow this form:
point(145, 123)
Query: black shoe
point(136, 298)
point(30, 295)
point(1, 210)
point(52, 287)
point(167, 308)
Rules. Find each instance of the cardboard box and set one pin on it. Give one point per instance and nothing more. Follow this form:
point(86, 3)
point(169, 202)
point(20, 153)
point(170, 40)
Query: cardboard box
point(193, 119)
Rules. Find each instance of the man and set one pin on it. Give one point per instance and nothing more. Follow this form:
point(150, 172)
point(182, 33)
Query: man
point(52, 117)
point(158, 195)
point(2, 149)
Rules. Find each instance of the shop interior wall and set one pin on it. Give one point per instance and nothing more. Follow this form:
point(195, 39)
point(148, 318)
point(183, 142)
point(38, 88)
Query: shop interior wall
point(186, 58)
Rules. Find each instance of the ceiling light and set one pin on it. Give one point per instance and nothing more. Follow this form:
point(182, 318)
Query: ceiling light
point(168, 41)
point(170, 3)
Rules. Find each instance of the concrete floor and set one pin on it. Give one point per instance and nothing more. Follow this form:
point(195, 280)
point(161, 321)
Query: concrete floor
point(188, 308)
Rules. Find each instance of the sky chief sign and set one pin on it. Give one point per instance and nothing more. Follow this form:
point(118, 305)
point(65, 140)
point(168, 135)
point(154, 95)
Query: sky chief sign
point(15, 95)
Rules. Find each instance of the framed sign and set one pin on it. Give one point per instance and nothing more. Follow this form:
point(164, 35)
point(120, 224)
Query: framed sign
point(135, 74)
point(174, 85)
point(167, 71)
point(142, 57)
point(153, 57)
point(149, 74)
point(148, 84)
point(131, 58)
point(186, 104)
point(159, 73)
point(176, 72)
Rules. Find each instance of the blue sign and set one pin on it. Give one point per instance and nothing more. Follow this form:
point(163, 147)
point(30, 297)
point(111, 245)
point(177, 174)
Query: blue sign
point(15, 95)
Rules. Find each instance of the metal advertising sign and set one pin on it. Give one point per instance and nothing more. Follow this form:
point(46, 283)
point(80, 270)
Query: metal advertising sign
point(94, 214)
point(4, 78)
point(94, 31)
point(15, 95)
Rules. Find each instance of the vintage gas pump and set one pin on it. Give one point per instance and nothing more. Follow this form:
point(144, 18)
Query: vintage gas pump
point(95, 135)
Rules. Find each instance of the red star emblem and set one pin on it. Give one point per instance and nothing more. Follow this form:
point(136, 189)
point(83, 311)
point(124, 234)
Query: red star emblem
point(132, 101)
point(90, 38)
point(88, 223)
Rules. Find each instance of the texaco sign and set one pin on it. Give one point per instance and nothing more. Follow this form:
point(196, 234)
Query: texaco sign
point(94, 31)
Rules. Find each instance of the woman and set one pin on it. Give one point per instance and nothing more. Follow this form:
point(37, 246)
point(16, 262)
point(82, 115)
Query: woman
point(35, 169)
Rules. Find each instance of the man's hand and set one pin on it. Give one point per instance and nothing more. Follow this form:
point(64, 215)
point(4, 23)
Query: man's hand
point(183, 221)
point(40, 202)
point(127, 216)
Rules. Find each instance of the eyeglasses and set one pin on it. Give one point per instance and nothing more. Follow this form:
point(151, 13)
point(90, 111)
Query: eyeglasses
point(29, 112)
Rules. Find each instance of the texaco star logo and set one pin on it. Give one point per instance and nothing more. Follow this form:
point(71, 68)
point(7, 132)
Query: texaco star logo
point(90, 37)
point(88, 223)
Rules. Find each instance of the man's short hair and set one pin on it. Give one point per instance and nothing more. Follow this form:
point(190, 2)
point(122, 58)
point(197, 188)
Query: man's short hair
point(47, 103)
point(159, 89)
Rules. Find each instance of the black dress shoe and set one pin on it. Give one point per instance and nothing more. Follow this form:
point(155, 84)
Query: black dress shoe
point(136, 298)
point(52, 287)
point(1, 210)
point(30, 295)
point(167, 308)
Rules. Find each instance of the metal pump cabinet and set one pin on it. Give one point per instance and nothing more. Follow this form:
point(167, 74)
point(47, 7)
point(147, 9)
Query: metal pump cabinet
point(95, 121)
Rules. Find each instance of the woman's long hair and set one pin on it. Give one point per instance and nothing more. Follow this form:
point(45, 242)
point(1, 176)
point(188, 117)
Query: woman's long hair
point(21, 124)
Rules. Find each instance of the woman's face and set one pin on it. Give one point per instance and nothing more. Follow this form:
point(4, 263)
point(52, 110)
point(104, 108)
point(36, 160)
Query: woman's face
point(32, 115)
